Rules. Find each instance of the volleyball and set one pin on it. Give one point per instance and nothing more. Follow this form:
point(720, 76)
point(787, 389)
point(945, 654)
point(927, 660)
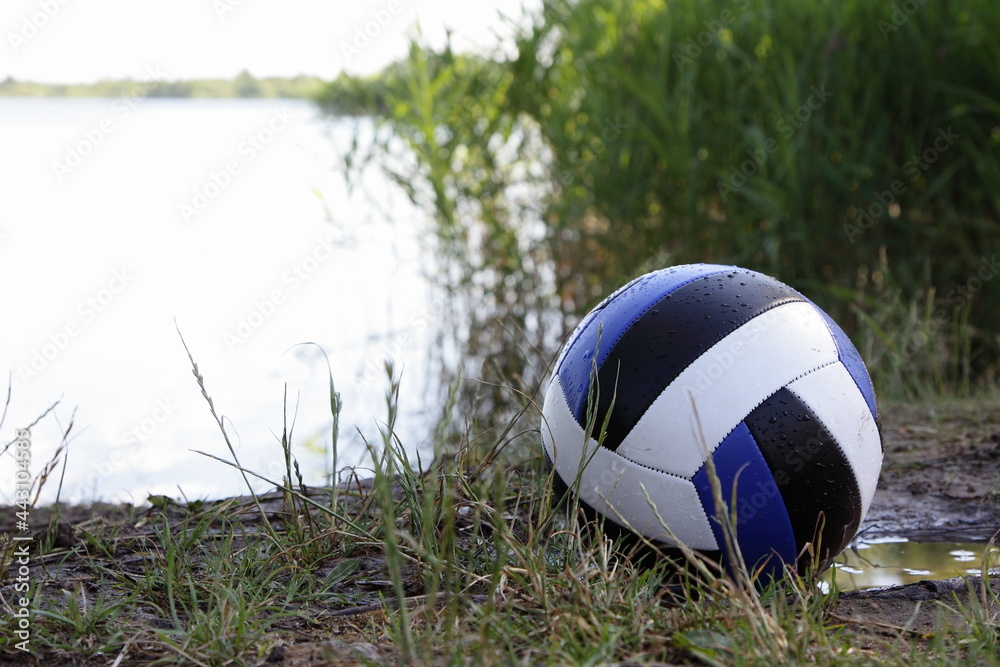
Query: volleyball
point(700, 371)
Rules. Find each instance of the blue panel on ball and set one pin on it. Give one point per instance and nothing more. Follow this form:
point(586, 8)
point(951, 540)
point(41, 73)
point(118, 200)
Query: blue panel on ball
point(611, 319)
point(763, 528)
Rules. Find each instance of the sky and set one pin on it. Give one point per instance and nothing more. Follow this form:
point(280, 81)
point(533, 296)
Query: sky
point(77, 41)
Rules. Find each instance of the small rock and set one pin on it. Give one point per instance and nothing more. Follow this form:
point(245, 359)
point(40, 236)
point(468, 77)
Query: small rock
point(61, 535)
point(277, 653)
point(334, 648)
point(366, 651)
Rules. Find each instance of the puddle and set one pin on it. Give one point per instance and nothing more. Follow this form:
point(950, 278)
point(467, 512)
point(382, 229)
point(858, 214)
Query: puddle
point(892, 561)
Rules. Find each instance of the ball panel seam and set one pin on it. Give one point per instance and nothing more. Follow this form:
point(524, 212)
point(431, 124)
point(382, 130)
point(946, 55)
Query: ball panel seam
point(853, 362)
point(609, 482)
point(840, 394)
point(763, 528)
point(672, 334)
point(816, 479)
point(575, 364)
point(721, 404)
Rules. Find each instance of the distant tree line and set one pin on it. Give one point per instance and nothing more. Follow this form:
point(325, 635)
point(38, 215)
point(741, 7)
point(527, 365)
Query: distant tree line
point(243, 85)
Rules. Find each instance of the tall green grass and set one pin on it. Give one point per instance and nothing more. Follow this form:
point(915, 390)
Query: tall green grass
point(848, 148)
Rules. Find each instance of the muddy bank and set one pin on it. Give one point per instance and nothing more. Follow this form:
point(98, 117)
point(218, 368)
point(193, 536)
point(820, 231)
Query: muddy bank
point(940, 482)
point(941, 476)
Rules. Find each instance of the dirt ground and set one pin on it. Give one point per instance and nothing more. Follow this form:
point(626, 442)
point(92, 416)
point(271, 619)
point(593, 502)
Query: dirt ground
point(940, 481)
point(941, 474)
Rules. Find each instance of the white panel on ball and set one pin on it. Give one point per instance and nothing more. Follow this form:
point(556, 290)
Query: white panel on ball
point(617, 487)
point(754, 361)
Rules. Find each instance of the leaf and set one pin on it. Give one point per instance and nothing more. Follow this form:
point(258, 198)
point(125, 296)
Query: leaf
point(341, 571)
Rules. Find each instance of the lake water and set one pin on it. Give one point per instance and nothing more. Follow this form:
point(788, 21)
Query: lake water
point(230, 220)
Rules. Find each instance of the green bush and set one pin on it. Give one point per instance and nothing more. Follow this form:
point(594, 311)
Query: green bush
point(848, 148)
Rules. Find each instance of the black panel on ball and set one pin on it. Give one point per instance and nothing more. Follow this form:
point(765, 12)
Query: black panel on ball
point(672, 334)
point(814, 477)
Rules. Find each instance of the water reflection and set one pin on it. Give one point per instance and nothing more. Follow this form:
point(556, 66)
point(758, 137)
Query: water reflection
point(892, 561)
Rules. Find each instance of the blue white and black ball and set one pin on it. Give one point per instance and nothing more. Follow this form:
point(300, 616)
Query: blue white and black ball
point(706, 361)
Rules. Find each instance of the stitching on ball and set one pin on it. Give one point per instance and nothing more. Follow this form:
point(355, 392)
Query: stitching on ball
point(785, 386)
point(871, 385)
point(647, 308)
point(624, 289)
point(760, 403)
point(784, 302)
point(693, 361)
point(643, 465)
point(826, 427)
